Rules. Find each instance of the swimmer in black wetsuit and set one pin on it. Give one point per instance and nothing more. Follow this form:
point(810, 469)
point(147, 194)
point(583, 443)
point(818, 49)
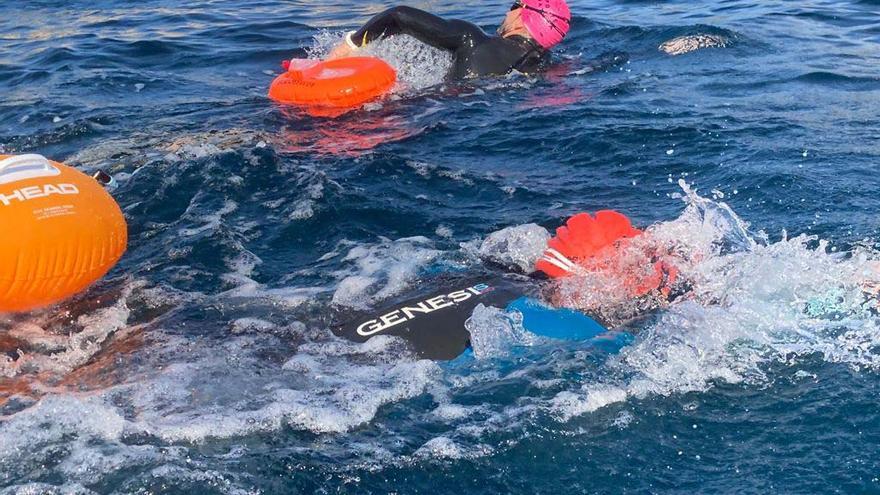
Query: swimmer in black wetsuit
point(522, 42)
point(597, 273)
point(617, 272)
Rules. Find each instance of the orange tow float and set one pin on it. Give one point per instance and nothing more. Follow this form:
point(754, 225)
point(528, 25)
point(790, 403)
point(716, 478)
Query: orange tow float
point(60, 232)
point(340, 83)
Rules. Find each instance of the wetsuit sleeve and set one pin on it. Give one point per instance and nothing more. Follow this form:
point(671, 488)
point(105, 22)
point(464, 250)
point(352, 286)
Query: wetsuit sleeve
point(425, 27)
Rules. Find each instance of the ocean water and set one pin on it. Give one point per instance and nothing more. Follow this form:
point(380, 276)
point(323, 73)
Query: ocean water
point(203, 364)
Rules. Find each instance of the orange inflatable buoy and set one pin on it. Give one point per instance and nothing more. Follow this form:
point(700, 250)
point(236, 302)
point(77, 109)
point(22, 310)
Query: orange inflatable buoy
point(60, 231)
point(340, 83)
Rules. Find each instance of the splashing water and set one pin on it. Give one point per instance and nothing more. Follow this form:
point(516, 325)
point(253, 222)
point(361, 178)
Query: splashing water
point(692, 43)
point(494, 331)
point(517, 248)
point(418, 65)
point(61, 344)
point(221, 376)
point(754, 304)
point(382, 270)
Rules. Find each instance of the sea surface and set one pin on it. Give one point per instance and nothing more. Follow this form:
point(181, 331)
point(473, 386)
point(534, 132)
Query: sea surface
point(204, 363)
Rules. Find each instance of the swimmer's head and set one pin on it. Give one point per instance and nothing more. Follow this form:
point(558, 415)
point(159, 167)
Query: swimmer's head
point(546, 21)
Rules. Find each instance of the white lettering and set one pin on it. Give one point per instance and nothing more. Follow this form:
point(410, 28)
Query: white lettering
point(391, 319)
point(459, 296)
point(33, 192)
point(370, 327)
point(36, 192)
point(438, 302)
point(50, 189)
point(394, 318)
point(421, 308)
point(7, 200)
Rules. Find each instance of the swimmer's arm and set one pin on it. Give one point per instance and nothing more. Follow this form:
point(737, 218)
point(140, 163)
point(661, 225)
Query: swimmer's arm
point(425, 27)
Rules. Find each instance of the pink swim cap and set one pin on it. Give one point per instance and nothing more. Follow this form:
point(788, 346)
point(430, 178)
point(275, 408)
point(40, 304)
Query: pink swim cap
point(546, 20)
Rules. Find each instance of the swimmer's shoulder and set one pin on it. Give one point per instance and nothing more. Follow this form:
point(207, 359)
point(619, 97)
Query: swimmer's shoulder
point(469, 30)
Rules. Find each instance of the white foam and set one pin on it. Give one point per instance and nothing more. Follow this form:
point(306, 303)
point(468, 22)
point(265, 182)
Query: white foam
point(754, 303)
point(36, 336)
point(452, 412)
point(332, 386)
point(249, 325)
point(494, 332)
point(177, 475)
point(567, 405)
point(211, 222)
point(315, 391)
point(623, 420)
point(381, 270)
point(47, 489)
point(445, 448)
point(303, 210)
point(90, 465)
point(517, 247)
point(28, 438)
point(692, 43)
point(64, 349)
point(444, 231)
point(440, 447)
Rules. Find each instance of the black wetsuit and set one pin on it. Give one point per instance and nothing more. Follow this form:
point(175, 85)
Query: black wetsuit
point(475, 52)
point(433, 322)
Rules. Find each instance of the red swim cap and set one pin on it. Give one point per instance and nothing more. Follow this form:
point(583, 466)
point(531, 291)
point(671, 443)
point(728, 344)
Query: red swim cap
point(585, 244)
point(582, 238)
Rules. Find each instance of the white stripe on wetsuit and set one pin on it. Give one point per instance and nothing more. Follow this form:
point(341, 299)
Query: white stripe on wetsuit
point(559, 260)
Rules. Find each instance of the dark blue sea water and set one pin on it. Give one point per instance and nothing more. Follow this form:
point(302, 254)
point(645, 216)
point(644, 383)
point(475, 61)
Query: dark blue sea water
point(204, 364)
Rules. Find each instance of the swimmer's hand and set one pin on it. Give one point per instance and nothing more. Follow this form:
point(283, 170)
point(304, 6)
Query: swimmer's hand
point(345, 49)
point(341, 51)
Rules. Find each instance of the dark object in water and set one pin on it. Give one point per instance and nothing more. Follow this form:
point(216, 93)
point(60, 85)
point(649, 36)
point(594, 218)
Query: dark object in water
point(433, 323)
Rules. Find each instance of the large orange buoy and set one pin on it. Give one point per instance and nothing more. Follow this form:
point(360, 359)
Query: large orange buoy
point(60, 231)
point(340, 83)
